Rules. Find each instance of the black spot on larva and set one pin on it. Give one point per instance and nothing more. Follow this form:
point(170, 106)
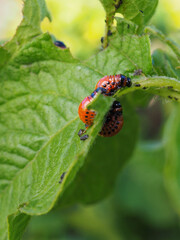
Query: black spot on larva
point(108, 82)
point(170, 87)
point(137, 85)
point(144, 88)
point(108, 119)
point(87, 112)
point(176, 98)
point(92, 115)
point(86, 116)
point(119, 113)
point(112, 130)
point(116, 127)
point(104, 85)
point(170, 97)
point(119, 84)
point(118, 122)
point(113, 83)
point(109, 132)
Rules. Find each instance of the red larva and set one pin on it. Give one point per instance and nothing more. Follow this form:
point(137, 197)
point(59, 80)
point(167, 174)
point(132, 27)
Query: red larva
point(113, 83)
point(113, 121)
point(87, 115)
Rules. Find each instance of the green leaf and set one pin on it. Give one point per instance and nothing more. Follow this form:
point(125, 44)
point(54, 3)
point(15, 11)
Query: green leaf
point(109, 6)
point(17, 224)
point(43, 10)
point(165, 64)
point(4, 56)
point(34, 11)
point(41, 87)
point(39, 126)
point(172, 155)
point(125, 53)
point(138, 11)
point(157, 33)
point(162, 86)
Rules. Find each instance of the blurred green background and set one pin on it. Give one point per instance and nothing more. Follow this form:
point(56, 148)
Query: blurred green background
point(80, 23)
point(140, 207)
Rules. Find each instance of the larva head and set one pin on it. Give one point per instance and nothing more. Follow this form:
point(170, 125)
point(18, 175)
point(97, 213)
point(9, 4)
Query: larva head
point(116, 105)
point(129, 83)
